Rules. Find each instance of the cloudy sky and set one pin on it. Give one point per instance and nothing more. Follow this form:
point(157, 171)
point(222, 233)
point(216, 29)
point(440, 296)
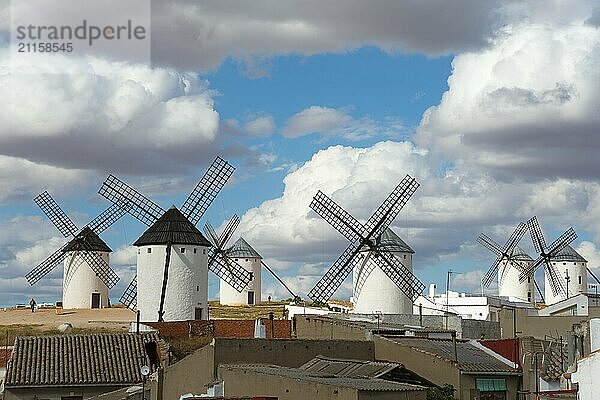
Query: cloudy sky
point(495, 109)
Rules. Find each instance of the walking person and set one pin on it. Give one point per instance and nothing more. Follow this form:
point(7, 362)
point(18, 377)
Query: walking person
point(32, 303)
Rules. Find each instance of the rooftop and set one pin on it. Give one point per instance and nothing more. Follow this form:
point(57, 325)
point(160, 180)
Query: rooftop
point(348, 368)
point(568, 254)
point(389, 241)
point(172, 227)
point(362, 384)
point(470, 357)
point(91, 359)
point(93, 242)
point(242, 249)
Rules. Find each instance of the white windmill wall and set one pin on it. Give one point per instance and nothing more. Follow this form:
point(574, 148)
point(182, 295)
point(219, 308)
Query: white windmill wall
point(229, 296)
point(187, 287)
point(379, 294)
point(511, 287)
point(577, 283)
point(84, 282)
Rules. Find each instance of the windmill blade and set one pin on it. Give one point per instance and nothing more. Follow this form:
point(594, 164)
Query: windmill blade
point(108, 217)
point(46, 266)
point(337, 217)
point(294, 297)
point(55, 214)
point(206, 190)
point(389, 209)
point(229, 229)
point(537, 236)
point(364, 271)
point(514, 238)
point(489, 244)
point(138, 205)
point(562, 242)
point(406, 281)
point(489, 275)
point(335, 276)
point(98, 264)
point(228, 270)
point(129, 297)
point(212, 235)
point(531, 270)
point(554, 278)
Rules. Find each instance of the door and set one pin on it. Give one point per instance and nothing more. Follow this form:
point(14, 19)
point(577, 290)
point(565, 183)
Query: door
point(250, 297)
point(198, 313)
point(95, 300)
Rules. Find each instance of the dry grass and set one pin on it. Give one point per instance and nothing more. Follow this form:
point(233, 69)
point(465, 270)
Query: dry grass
point(218, 311)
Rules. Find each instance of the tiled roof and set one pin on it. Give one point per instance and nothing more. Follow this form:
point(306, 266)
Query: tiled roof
point(389, 241)
point(172, 227)
point(568, 254)
point(242, 249)
point(470, 358)
point(363, 384)
point(348, 368)
point(93, 242)
point(92, 359)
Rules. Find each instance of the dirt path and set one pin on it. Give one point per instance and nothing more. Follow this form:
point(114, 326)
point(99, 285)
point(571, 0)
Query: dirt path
point(45, 319)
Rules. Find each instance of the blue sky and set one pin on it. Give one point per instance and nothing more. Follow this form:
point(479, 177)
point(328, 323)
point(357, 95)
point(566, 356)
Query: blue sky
point(477, 111)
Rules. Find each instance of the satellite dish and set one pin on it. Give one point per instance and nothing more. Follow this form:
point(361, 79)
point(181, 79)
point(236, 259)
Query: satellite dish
point(145, 370)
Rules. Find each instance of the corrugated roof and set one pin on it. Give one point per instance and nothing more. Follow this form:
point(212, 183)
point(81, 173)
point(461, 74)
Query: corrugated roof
point(348, 368)
point(519, 254)
point(241, 249)
point(93, 242)
point(568, 254)
point(172, 227)
point(92, 359)
point(470, 358)
point(363, 384)
point(389, 241)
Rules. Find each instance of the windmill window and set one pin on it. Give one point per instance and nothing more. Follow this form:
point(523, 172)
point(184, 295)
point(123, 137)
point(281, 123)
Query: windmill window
point(405, 256)
point(579, 279)
point(564, 263)
point(149, 250)
point(236, 259)
point(528, 279)
point(204, 251)
point(528, 296)
point(197, 288)
point(139, 251)
point(183, 250)
point(195, 251)
point(246, 259)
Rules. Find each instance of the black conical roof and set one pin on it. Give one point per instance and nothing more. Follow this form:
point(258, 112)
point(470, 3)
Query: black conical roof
point(93, 242)
point(389, 241)
point(172, 228)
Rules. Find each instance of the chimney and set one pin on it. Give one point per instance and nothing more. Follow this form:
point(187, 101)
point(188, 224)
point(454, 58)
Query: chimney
point(432, 290)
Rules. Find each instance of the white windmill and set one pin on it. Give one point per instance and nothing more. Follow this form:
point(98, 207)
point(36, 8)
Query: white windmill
point(510, 262)
point(372, 262)
point(172, 261)
point(87, 276)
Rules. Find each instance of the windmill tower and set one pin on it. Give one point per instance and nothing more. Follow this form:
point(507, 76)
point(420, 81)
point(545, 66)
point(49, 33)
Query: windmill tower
point(510, 262)
point(172, 261)
point(244, 255)
point(556, 286)
point(364, 239)
point(87, 276)
point(373, 291)
point(571, 267)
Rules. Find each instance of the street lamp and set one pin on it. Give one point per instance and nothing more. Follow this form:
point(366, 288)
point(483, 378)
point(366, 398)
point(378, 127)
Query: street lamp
point(145, 371)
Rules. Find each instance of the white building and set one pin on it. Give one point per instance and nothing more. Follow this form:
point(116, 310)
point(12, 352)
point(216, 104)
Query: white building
point(82, 287)
point(469, 306)
point(508, 278)
point(379, 293)
point(242, 253)
point(186, 296)
point(572, 270)
point(587, 374)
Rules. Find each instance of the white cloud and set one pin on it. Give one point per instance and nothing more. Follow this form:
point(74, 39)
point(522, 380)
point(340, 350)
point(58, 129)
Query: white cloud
point(328, 121)
point(526, 105)
point(469, 282)
point(106, 115)
point(261, 126)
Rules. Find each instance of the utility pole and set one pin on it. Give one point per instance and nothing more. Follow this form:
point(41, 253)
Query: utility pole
point(447, 293)
point(568, 279)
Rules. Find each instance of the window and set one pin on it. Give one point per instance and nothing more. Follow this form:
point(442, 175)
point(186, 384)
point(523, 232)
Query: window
point(182, 250)
point(529, 296)
point(405, 256)
point(236, 259)
point(197, 288)
point(528, 279)
point(195, 250)
point(564, 263)
point(149, 250)
point(246, 260)
point(579, 279)
point(139, 251)
point(203, 251)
